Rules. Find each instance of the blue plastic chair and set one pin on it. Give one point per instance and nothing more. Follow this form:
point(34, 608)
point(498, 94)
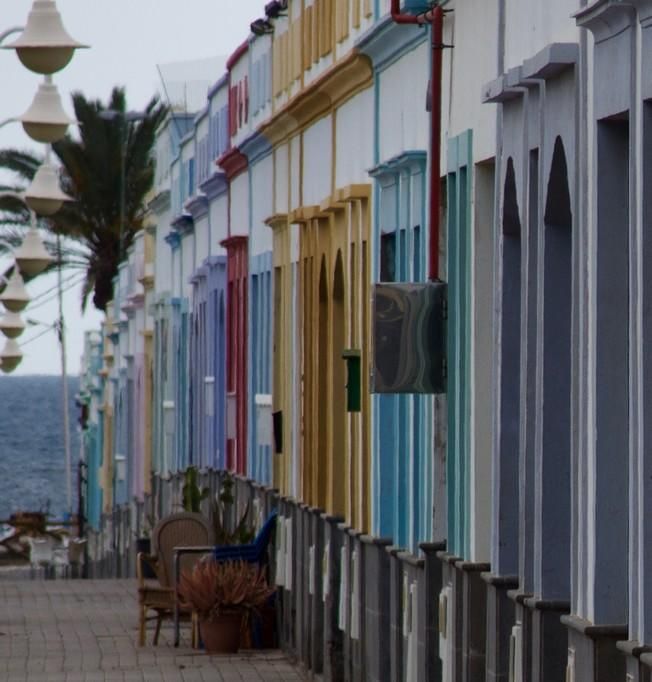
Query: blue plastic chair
point(254, 553)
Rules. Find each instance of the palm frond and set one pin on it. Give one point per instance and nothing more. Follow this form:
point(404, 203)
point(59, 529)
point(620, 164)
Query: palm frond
point(92, 174)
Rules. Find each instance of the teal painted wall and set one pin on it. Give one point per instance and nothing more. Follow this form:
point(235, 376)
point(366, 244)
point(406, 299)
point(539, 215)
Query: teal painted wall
point(459, 193)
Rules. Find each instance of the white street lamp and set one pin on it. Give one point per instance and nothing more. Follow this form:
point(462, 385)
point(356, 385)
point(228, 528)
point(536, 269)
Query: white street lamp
point(45, 120)
point(15, 297)
point(31, 256)
point(12, 325)
point(44, 196)
point(45, 46)
point(11, 356)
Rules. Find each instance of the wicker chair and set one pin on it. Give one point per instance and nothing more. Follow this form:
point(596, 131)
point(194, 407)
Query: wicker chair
point(178, 530)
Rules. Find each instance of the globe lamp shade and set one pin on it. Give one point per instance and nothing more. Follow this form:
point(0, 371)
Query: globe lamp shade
point(44, 196)
point(12, 325)
point(31, 256)
point(45, 120)
point(11, 356)
point(44, 46)
point(15, 297)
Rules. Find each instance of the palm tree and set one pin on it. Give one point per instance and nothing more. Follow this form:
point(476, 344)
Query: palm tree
point(95, 237)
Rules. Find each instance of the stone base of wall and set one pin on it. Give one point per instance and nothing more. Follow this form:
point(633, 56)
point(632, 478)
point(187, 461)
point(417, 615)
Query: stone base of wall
point(465, 603)
point(592, 650)
point(433, 579)
point(500, 618)
point(549, 643)
point(543, 649)
point(645, 667)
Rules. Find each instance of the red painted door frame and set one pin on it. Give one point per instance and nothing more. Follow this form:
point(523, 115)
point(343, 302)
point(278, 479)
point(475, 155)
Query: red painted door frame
point(236, 349)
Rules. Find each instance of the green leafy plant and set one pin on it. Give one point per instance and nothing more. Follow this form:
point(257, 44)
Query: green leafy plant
point(148, 526)
point(193, 495)
point(243, 532)
point(212, 589)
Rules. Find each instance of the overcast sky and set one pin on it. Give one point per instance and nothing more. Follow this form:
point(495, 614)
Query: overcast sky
point(128, 38)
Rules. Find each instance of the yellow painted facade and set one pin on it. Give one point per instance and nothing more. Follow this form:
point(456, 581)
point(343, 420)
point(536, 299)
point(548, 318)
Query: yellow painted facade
point(282, 348)
point(332, 273)
point(312, 35)
point(334, 279)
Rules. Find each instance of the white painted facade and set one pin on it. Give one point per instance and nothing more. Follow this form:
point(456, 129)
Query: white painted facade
point(317, 164)
point(355, 138)
point(262, 180)
point(531, 25)
point(239, 206)
point(403, 126)
point(219, 217)
point(260, 72)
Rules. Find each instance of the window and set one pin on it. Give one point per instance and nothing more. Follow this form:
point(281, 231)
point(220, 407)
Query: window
point(388, 257)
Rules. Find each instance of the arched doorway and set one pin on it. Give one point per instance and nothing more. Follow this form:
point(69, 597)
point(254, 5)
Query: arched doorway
point(506, 504)
point(555, 486)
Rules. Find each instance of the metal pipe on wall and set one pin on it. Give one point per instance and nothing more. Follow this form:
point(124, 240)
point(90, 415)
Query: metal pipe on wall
point(434, 17)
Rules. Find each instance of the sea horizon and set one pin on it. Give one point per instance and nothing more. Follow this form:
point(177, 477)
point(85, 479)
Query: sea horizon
point(32, 454)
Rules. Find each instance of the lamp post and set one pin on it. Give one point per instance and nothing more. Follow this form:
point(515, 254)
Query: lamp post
point(59, 327)
point(9, 32)
point(45, 47)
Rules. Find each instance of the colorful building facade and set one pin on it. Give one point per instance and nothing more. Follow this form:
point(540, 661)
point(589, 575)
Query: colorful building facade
point(497, 530)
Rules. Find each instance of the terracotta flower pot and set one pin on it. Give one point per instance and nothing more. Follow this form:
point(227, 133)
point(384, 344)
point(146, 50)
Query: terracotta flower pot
point(222, 635)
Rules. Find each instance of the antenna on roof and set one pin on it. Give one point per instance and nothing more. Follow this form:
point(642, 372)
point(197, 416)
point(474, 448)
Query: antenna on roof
point(169, 101)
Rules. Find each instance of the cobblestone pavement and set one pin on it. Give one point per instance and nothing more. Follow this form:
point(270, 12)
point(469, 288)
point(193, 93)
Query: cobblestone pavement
point(76, 630)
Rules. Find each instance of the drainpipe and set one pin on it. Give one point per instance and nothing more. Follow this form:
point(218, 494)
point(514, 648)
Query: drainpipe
point(434, 17)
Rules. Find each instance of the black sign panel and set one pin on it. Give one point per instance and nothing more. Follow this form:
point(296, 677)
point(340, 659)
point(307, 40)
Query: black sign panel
point(409, 338)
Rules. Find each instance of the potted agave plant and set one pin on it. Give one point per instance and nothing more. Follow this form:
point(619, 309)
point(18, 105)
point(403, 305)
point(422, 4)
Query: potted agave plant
point(223, 595)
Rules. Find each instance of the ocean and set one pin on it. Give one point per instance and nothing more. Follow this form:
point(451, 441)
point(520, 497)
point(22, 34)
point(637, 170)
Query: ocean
point(32, 460)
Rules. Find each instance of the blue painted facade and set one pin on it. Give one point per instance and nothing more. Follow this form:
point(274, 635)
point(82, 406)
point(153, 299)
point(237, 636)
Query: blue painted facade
point(402, 452)
point(260, 309)
point(402, 436)
point(259, 460)
point(208, 364)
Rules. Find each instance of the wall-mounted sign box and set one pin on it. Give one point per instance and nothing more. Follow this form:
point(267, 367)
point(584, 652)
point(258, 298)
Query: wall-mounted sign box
point(409, 338)
point(353, 372)
point(277, 427)
point(264, 422)
point(231, 416)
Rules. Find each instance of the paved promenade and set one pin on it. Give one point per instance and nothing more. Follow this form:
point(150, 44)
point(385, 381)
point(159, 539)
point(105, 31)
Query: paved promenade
point(76, 630)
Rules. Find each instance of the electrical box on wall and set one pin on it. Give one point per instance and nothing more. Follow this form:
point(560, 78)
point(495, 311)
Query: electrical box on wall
point(264, 420)
point(352, 358)
point(409, 337)
point(277, 430)
point(231, 416)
